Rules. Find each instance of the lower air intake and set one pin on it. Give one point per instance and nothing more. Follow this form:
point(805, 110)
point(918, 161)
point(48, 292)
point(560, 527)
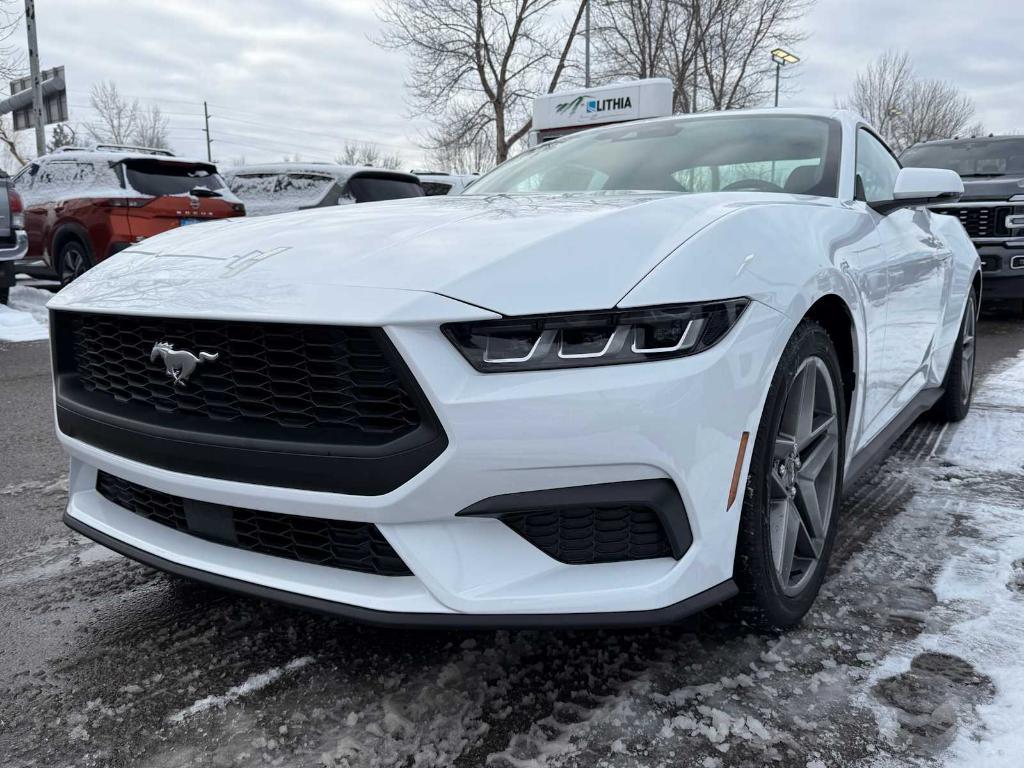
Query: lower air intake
point(334, 543)
point(603, 523)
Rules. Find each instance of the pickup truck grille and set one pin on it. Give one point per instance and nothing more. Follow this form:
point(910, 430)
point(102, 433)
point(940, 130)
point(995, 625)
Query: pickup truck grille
point(982, 221)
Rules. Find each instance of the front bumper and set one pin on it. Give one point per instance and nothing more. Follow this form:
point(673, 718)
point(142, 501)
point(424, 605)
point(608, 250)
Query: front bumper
point(680, 420)
point(1002, 267)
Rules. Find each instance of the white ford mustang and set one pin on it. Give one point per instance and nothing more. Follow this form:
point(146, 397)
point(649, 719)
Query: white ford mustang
point(624, 377)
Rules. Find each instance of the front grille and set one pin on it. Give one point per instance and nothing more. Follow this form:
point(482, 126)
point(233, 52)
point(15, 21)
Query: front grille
point(334, 543)
point(286, 376)
point(980, 221)
point(592, 534)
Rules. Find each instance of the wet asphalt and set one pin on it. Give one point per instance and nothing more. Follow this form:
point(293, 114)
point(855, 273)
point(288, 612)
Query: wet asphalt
point(104, 662)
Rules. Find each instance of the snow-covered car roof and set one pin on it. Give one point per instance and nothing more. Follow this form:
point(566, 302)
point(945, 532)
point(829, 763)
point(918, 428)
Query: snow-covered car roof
point(336, 170)
point(116, 156)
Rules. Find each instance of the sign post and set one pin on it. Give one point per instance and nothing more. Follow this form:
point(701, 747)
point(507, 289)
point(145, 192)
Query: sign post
point(37, 81)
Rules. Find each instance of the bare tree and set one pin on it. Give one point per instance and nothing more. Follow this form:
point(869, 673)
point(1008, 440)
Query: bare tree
point(719, 45)
point(880, 90)
point(63, 135)
point(10, 141)
point(151, 128)
point(365, 153)
point(633, 36)
point(12, 60)
point(933, 109)
point(906, 109)
point(732, 52)
point(477, 64)
point(117, 118)
point(474, 156)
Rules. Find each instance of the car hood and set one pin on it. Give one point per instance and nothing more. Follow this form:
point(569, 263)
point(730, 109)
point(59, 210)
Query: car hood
point(507, 253)
point(995, 188)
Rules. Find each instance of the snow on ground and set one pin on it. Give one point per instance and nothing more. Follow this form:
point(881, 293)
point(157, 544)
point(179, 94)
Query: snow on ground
point(25, 317)
point(912, 656)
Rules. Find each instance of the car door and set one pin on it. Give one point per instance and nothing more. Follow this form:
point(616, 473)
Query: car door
point(917, 269)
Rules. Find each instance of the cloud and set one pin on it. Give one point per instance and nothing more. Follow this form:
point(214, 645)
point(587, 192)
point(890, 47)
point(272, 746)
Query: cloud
point(302, 76)
point(975, 45)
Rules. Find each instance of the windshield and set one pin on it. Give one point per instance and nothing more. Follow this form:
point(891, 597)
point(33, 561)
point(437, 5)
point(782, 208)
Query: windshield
point(997, 157)
point(765, 153)
point(154, 177)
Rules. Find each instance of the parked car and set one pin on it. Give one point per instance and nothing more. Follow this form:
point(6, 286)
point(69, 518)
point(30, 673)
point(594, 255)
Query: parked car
point(992, 206)
point(283, 187)
point(440, 183)
point(625, 376)
point(13, 240)
point(84, 205)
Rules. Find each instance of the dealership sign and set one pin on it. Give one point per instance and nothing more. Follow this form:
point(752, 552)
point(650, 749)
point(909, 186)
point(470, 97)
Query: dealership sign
point(607, 104)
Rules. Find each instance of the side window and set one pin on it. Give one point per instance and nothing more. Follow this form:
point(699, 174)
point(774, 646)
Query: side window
point(64, 174)
point(876, 169)
point(23, 179)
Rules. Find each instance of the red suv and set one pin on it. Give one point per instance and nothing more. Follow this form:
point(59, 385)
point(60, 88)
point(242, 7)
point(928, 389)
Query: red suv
point(83, 205)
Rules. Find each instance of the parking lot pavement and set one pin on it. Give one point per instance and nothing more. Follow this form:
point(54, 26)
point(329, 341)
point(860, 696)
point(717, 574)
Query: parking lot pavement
point(912, 653)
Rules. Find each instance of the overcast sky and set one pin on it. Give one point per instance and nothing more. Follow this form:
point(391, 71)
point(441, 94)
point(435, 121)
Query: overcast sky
point(301, 76)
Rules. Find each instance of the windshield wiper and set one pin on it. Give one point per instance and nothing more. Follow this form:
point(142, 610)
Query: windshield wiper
point(204, 192)
point(980, 175)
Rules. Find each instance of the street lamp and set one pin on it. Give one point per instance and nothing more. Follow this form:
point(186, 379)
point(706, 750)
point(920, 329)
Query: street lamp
point(781, 57)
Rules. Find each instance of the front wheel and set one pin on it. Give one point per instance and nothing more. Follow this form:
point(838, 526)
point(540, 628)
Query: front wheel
point(959, 385)
point(788, 520)
point(74, 262)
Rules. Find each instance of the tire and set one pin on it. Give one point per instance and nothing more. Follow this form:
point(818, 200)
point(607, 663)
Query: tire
point(74, 261)
point(796, 467)
point(6, 281)
point(958, 388)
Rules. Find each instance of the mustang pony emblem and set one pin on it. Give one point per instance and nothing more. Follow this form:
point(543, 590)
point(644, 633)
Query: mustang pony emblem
point(180, 363)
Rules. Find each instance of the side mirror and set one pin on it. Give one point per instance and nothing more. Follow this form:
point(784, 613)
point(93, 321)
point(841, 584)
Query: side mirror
point(922, 186)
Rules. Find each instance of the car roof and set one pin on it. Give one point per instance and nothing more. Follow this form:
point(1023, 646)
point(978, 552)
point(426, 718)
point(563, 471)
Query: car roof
point(337, 170)
point(962, 139)
point(116, 156)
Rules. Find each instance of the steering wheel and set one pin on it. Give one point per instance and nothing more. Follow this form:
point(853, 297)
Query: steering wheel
point(753, 185)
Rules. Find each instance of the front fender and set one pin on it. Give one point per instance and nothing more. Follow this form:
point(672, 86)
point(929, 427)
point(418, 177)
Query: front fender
point(787, 256)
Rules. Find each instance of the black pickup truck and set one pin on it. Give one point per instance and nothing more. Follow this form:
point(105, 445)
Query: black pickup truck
point(992, 206)
point(13, 240)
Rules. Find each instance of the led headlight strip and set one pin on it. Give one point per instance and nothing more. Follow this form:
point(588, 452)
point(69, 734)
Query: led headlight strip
point(584, 339)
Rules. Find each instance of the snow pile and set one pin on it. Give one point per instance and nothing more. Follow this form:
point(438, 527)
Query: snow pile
point(251, 685)
point(25, 317)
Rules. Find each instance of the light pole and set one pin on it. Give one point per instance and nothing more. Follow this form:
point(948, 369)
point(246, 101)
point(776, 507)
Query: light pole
point(781, 57)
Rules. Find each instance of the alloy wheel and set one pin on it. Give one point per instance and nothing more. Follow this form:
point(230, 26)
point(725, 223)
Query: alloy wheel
point(967, 350)
point(73, 264)
point(804, 475)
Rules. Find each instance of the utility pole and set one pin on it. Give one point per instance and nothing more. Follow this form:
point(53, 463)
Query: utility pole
point(586, 59)
point(37, 81)
point(206, 130)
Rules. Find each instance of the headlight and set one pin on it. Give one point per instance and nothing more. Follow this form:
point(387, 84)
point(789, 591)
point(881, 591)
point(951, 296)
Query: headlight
point(583, 339)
